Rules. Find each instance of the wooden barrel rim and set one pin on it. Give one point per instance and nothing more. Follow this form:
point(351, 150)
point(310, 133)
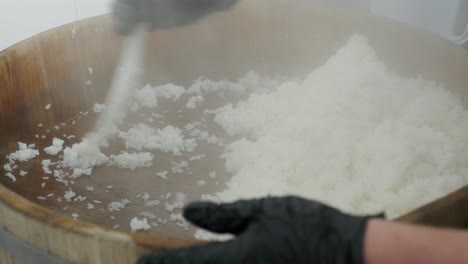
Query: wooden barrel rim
point(49, 217)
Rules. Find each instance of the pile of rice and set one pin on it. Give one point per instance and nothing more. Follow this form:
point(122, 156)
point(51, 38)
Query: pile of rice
point(352, 134)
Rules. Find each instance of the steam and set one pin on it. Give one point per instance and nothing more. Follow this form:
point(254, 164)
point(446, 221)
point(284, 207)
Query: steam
point(126, 75)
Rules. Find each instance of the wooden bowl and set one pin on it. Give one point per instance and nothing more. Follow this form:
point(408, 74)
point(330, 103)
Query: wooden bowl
point(270, 37)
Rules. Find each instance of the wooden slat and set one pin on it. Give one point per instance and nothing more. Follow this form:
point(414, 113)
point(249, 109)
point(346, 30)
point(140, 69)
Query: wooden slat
point(98, 48)
point(449, 211)
point(23, 92)
point(5, 258)
point(64, 76)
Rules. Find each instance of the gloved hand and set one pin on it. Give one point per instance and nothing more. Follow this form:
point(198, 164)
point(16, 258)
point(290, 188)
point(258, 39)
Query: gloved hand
point(162, 14)
point(287, 230)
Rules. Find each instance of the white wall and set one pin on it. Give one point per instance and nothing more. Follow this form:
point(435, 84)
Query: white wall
point(437, 16)
point(20, 19)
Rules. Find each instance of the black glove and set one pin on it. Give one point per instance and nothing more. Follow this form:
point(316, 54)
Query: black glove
point(287, 230)
point(162, 14)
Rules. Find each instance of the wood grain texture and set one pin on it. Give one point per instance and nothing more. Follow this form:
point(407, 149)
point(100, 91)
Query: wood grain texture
point(53, 68)
point(449, 211)
point(6, 258)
